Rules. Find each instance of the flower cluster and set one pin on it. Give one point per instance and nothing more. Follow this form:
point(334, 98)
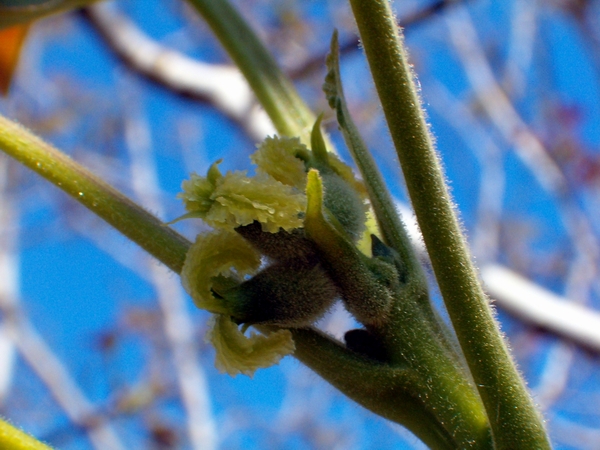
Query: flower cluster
point(258, 219)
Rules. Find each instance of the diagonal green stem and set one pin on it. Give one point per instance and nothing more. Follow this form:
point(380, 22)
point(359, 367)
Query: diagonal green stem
point(130, 219)
point(514, 419)
point(341, 367)
point(15, 439)
point(274, 90)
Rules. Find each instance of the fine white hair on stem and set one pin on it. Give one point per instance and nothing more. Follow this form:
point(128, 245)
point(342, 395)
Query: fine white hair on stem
point(527, 300)
point(178, 326)
point(486, 236)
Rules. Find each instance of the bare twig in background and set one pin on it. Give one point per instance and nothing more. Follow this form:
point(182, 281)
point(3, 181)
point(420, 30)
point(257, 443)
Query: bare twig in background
point(221, 85)
point(32, 347)
point(9, 288)
point(583, 269)
point(317, 62)
point(523, 32)
point(178, 325)
point(514, 130)
point(541, 307)
point(60, 384)
point(585, 13)
point(575, 435)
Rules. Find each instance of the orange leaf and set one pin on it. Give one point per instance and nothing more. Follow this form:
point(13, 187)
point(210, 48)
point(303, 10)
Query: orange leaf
point(11, 40)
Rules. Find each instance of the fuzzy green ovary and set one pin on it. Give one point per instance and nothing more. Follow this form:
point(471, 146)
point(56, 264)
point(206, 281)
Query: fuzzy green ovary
point(280, 246)
point(366, 284)
point(344, 203)
point(292, 293)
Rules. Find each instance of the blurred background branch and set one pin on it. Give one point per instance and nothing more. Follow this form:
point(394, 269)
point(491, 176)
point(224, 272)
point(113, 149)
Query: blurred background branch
point(134, 371)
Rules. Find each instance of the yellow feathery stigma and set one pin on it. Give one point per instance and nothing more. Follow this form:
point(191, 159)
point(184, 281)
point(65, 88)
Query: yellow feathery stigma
point(240, 200)
point(222, 253)
point(277, 156)
point(236, 353)
point(235, 199)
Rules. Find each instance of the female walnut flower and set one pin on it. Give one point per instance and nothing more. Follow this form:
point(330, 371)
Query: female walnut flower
point(232, 200)
point(263, 216)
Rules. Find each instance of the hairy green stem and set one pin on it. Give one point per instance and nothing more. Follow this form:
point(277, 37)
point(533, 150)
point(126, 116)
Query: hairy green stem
point(130, 219)
point(356, 376)
point(383, 389)
point(514, 419)
point(274, 90)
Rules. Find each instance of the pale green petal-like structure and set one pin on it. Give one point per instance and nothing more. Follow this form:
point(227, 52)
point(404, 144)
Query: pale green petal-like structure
point(217, 253)
point(278, 157)
point(197, 191)
point(240, 200)
point(237, 353)
point(233, 200)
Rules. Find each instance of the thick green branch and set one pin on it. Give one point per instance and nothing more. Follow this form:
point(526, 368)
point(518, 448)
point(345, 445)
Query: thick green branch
point(515, 421)
point(130, 219)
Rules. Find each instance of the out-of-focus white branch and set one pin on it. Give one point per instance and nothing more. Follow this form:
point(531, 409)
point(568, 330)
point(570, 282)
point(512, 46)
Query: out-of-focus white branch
point(178, 325)
point(9, 288)
point(527, 300)
point(516, 132)
point(575, 435)
point(523, 31)
point(18, 332)
point(541, 307)
point(62, 387)
point(221, 85)
point(497, 105)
